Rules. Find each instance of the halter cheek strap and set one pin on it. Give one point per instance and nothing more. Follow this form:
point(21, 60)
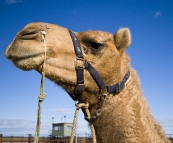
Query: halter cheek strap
point(79, 65)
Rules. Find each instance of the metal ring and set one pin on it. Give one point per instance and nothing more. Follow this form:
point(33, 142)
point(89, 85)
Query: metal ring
point(103, 92)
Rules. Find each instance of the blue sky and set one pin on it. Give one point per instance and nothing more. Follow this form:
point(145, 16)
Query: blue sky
point(151, 52)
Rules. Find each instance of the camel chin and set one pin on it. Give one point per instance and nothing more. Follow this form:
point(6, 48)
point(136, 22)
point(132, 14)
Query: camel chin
point(30, 63)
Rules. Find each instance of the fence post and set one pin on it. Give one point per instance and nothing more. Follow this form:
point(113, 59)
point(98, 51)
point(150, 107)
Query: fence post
point(0, 138)
point(11, 139)
point(29, 138)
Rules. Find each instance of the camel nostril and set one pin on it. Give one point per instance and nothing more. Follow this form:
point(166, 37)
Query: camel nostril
point(28, 34)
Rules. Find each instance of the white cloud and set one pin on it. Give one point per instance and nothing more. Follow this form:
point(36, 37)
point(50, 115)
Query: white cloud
point(157, 14)
point(21, 127)
point(10, 1)
point(15, 123)
point(64, 110)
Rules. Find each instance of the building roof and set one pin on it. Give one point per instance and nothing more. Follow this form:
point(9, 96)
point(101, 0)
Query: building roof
point(62, 123)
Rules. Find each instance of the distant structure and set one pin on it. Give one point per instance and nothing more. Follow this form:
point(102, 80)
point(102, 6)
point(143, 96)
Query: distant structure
point(61, 129)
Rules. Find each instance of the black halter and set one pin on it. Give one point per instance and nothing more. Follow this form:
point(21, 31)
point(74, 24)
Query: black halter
point(82, 64)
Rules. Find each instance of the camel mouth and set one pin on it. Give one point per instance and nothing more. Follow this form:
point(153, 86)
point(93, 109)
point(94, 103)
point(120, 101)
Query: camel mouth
point(13, 54)
point(24, 57)
point(28, 62)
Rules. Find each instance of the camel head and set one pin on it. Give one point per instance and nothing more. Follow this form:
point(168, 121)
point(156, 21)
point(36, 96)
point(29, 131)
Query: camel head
point(105, 52)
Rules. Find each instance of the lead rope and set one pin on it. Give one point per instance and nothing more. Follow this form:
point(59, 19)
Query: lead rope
point(42, 95)
point(79, 106)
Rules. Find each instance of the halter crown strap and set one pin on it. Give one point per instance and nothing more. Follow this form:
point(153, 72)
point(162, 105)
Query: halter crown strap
point(76, 44)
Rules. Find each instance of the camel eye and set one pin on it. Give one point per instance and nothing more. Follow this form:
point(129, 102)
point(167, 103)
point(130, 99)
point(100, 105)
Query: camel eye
point(95, 46)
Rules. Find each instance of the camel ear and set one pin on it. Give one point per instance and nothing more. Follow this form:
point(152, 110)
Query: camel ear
point(122, 39)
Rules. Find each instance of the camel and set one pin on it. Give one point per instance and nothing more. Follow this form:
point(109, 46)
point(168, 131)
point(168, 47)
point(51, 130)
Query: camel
point(125, 117)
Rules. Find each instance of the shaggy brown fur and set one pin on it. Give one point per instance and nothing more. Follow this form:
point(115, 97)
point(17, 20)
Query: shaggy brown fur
point(126, 117)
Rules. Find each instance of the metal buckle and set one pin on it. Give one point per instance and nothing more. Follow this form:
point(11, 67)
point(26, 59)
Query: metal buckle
point(121, 85)
point(79, 63)
point(79, 90)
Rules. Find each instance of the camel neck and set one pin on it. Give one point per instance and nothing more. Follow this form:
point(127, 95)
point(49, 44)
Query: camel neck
point(126, 117)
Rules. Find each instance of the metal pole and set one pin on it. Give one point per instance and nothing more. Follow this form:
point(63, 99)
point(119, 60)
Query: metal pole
point(52, 120)
point(64, 119)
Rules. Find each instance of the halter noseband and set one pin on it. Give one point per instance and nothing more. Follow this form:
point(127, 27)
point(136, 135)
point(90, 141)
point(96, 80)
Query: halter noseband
point(81, 64)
